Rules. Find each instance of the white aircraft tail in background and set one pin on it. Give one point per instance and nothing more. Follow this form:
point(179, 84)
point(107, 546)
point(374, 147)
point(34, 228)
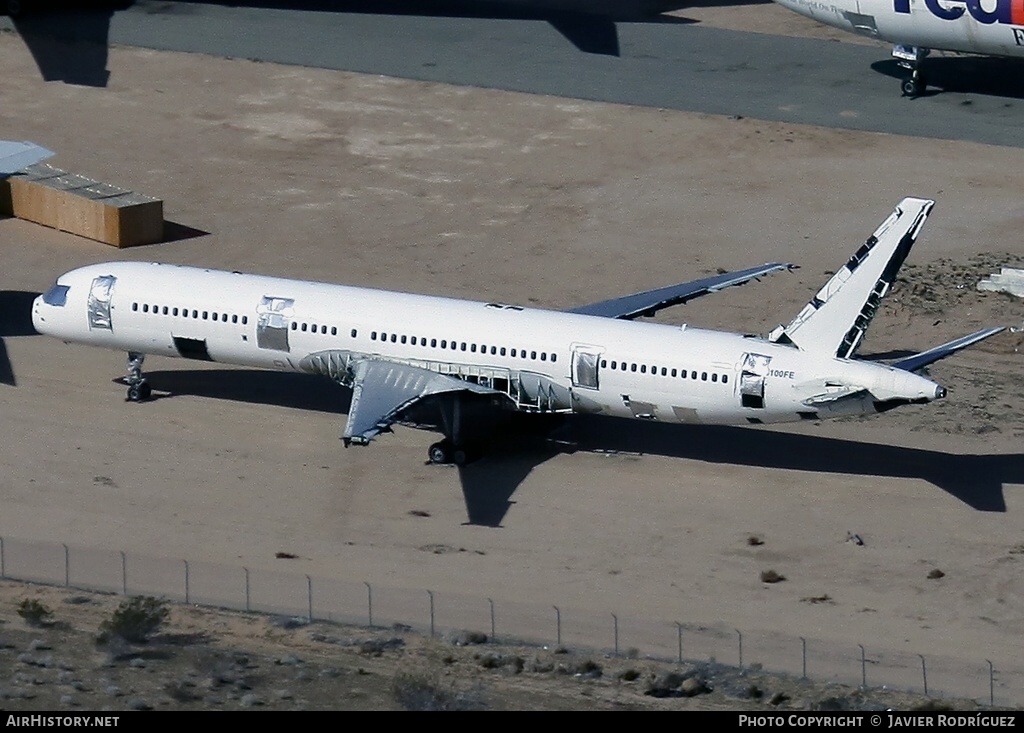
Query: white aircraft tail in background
point(16, 156)
point(421, 361)
point(993, 28)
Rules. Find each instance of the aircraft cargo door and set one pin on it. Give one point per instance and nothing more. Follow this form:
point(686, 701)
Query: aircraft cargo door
point(752, 375)
point(586, 361)
point(273, 317)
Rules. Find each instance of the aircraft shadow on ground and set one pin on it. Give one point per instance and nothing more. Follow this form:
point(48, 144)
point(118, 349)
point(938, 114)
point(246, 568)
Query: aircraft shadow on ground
point(489, 484)
point(987, 75)
point(15, 320)
point(69, 40)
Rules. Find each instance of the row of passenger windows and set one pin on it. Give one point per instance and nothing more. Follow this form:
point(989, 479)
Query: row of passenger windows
point(665, 371)
point(186, 313)
point(464, 346)
point(313, 328)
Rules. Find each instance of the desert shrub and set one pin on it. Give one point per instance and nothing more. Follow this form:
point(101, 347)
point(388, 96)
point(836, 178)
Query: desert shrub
point(35, 613)
point(753, 540)
point(135, 619)
point(418, 691)
point(770, 576)
point(935, 574)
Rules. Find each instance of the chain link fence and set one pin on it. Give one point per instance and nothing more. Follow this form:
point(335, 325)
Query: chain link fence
point(995, 682)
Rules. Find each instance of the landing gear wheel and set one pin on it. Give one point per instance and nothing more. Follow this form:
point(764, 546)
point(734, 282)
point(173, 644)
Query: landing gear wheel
point(139, 392)
point(460, 457)
point(440, 453)
point(912, 87)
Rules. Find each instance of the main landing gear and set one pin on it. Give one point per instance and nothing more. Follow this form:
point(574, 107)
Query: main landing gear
point(452, 449)
point(910, 57)
point(446, 451)
point(138, 388)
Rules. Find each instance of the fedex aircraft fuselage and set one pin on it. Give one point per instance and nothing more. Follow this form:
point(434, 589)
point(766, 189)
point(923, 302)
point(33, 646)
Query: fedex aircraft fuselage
point(543, 360)
point(989, 27)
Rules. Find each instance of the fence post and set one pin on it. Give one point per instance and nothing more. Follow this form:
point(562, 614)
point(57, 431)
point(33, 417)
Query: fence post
point(3, 572)
point(863, 668)
point(369, 604)
point(739, 635)
point(615, 622)
point(187, 595)
point(558, 625)
point(493, 634)
point(679, 639)
point(309, 597)
point(431, 594)
point(924, 675)
point(124, 574)
point(991, 684)
point(248, 597)
point(67, 565)
point(803, 654)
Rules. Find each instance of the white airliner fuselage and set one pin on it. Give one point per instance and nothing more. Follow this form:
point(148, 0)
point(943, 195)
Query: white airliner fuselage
point(989, 27)
point(647, 370)
point(418, 360)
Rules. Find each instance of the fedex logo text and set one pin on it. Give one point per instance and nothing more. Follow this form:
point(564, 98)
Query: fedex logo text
point(1007, 12)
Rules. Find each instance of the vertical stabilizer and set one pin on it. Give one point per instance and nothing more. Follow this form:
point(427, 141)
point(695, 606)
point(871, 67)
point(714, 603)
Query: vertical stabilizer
point(837, 318)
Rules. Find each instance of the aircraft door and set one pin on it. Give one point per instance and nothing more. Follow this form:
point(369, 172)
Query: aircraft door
point(272, 322)
point(586, 361)
point(752, 376)
point(100, 292)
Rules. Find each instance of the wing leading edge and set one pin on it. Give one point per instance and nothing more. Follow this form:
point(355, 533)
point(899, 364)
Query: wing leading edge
point(649, 302)
point(923, 359)
point(16, 156)
point(382, 390)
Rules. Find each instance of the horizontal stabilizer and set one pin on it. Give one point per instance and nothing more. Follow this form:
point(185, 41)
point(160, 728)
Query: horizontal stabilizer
point(649, 302)
point(919, 361)
point(15, 156)
point(836, 319)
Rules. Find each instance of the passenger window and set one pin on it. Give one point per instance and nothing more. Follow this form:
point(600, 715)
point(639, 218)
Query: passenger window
point(245, 319)
point(323, 330)
point(714, 377)
point(175, 311)
point(403, 339)
point(632, 367)
point(502, 352)
point(533, 355)
point(135, 306)
point(494, 350)
point(604, 364)
point(413, 340)
point(643, 369)
point(223, 316)
point(725, 378)
point(215, 316)
point(463, 345)
point(664, 372)
point(234, 317)
point(673, 371)
point(693, 375)
point(166, 310)
point(513, 352)
point(295, 325)
point(554, 357)
point(543, 356)
point(703, 376)
point(145, 307)
point(373, 335)
point(472, 348)
point(614, 364)
point(304, 326)
point(206, 315)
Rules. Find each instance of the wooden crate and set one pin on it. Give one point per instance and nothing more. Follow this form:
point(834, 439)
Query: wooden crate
point(83, 206)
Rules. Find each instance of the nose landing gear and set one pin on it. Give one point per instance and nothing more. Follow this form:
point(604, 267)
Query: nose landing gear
point(910, 57)
point(138, 388)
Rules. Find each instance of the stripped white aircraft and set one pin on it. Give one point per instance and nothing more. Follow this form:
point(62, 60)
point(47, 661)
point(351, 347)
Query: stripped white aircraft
point(421, 360)
point(987, 27)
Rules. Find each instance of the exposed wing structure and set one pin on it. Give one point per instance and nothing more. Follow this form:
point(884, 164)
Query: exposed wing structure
point(838, 316)
point(649, 302)
point(16, 156)
point(382, 390)
point(919, 361)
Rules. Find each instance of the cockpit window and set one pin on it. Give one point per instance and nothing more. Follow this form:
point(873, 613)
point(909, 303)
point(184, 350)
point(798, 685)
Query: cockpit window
point(57, 295)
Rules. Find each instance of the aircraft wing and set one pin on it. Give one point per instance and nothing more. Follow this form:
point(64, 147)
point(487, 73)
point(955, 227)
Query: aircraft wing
point(15, 156)
point(919, 361)
point(382, 390)
point(649, 302)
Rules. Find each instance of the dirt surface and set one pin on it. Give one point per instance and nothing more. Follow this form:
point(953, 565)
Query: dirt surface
point(480, 194)
point(208, 660)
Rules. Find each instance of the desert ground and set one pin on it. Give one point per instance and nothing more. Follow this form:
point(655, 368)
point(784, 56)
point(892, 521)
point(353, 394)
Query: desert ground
point(383, 182)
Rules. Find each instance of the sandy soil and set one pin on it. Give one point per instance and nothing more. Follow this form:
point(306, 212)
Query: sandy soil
point(482, 194)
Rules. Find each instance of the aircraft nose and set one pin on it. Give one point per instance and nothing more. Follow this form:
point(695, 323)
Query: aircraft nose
point(940, 391)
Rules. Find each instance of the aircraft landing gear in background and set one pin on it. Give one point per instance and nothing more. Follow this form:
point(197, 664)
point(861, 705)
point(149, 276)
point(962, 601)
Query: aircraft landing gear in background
point(138, 388)
point(445, 452)
point(910, 57)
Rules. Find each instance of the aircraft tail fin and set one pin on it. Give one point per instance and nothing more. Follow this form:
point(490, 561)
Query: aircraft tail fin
point(838, 316)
